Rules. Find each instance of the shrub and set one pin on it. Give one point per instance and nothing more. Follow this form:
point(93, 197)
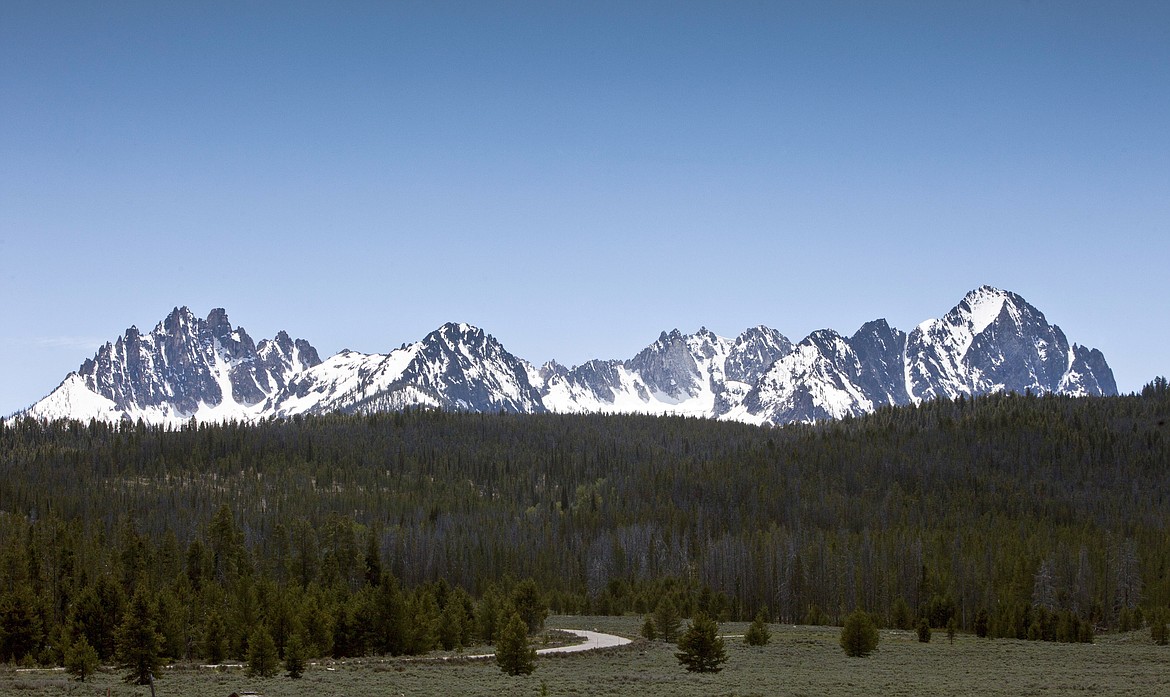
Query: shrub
point(859, 635)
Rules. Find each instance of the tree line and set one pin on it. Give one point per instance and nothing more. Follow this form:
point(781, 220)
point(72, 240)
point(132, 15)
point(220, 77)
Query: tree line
point(1017, 514)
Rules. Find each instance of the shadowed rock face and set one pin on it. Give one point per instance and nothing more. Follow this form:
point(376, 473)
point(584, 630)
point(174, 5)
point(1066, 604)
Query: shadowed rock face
point(186, 362)
point(991, 341)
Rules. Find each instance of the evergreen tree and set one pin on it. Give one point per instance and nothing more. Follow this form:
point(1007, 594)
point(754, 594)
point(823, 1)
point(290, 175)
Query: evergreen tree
point(901, 617)
point(423, 631)
point(757, 633)
point(20, 624)
point(388, 618)
point(648, 631)
point(700, 648)
point(373, 558)
point(923, 631)
point(667, 620)
point(263, 661)
point(952, 627)
point(982, 623)
point(859, 635)
point(513, 654)
point(294, 656)
point(451, 625)
point(138, 641)
point(215, 644)
point(530, 605)
point(81, 659)
point(487, 615)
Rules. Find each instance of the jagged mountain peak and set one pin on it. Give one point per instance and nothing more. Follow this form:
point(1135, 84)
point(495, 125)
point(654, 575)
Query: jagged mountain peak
point(992, 340)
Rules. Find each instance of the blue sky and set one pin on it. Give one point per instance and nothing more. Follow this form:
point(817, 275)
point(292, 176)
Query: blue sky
point(576, 177)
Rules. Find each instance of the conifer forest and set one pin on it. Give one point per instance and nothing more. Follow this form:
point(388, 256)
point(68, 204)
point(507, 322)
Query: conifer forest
point(1020, 516)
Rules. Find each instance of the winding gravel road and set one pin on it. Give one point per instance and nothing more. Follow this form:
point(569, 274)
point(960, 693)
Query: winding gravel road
point(593, 641)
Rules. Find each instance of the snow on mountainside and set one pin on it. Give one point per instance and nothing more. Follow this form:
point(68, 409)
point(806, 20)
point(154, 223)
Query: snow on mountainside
point(456, 367)
point(186, 367)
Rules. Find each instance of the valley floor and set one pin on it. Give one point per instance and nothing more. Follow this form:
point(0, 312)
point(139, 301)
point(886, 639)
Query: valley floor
point(802, 661)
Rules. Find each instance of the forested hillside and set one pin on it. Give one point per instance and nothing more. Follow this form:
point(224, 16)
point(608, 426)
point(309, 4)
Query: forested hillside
point(1026, 508)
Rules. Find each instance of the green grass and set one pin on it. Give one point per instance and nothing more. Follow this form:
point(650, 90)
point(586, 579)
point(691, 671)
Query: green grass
point(798, 661)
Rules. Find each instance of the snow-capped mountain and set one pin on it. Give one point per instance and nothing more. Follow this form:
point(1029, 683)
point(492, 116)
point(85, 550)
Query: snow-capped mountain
point(991, 341)
point(456, 367)
point(186, 367)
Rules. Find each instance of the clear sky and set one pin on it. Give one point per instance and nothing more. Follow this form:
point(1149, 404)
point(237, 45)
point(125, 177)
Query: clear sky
point(576, 177)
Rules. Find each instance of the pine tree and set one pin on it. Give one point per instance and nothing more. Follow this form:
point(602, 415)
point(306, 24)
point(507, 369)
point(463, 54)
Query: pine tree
point(700, 648)
point(982, 623)
point(923, 631)
point(294, 656)
point(952, 627)
point(513, 654)
point(531, 606)
point(215, 645)
point(648, 631)
point(138, 641)
point(263, 660)
point(757, 633)
point(20, 624)
point(81, 659)
point(859, 635)
point(423, 634)
point(451, 625)
point(667, 620)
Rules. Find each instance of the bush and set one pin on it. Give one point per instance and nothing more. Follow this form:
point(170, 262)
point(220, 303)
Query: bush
point(859, 635)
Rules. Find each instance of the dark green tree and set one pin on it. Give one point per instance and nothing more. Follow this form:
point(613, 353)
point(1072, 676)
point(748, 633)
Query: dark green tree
point(294, 656)
point(667, 620)
point(757, 633)
point(952, 628)
point(859, 635)
point(513, 654)
point(530, 605)
point(648, 631)
point(487, 615)
point(451, 623)
point(923, 630)
point(81, 659)
point(423, 630)
point(215, 643)
point(901, 616)
point(1159, 631)
point(20, 624)
point(701, 650)
point(263, 661)
point(138, 641)
point(982, 623)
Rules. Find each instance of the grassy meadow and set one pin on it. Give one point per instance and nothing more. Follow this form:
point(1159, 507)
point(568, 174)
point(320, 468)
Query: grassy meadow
point(798, 661)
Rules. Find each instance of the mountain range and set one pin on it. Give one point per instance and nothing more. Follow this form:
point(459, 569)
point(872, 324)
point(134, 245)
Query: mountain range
point(206, 369)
